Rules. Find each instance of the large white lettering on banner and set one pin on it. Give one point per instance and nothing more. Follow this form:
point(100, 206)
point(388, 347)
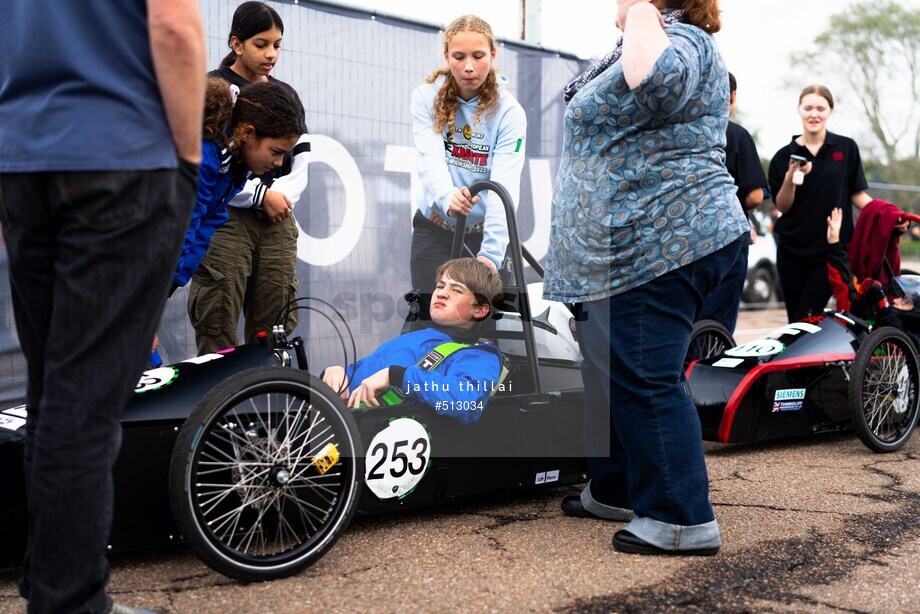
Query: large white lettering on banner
point(332, 249)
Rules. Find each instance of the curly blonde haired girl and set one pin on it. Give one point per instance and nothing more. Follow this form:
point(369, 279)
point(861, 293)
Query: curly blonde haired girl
point(453, 86)
point(468, 127)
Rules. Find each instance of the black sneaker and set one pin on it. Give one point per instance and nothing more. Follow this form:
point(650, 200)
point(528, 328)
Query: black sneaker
point(571, 506)
point(624, 541)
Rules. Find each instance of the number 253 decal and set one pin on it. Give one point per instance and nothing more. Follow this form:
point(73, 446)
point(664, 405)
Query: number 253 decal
point(397, 459)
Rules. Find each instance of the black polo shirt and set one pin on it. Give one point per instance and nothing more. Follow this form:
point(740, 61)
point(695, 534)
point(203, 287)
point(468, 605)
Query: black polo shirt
point(742, 161)
point(836, 175)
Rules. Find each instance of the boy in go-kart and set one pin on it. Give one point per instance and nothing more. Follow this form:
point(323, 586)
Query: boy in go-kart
point(893, 305)
point(443, 365)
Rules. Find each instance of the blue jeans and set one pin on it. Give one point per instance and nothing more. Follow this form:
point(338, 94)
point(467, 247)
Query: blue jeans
point(642, 432)
point(723, 302)
point(91, 258)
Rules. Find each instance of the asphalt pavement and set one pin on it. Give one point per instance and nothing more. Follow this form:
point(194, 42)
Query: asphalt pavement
point(817, 524)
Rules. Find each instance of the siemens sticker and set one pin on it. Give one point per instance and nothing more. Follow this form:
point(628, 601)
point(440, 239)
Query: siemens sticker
point(788, 399)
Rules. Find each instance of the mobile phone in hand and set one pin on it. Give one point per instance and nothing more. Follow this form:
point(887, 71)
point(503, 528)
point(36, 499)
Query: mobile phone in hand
point(798, 177)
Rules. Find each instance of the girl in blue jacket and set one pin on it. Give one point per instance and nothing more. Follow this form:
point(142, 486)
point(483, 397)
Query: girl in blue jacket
point(248, 137)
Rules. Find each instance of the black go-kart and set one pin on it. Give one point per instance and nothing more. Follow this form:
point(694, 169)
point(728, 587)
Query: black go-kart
point(259, 467)
point(829, 372)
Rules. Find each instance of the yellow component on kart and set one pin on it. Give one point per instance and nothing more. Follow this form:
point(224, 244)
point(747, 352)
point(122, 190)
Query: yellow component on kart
point(326, 459)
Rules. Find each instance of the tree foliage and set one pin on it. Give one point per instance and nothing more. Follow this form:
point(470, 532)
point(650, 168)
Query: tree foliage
point(874, 49)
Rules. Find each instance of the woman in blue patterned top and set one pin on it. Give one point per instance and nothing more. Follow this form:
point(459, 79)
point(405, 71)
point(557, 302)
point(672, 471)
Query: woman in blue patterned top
point(644, 223)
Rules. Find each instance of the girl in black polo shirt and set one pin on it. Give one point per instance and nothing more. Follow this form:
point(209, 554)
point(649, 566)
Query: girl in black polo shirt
point(833, 177)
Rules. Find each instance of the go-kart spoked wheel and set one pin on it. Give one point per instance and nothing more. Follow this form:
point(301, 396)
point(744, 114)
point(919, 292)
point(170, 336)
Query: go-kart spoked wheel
point(884, 385)
point(265, 473)
point(709, 338)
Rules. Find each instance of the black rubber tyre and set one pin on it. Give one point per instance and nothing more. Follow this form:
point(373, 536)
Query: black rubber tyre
point(709, 338)
point(884, 385)
point(246, 481)
point(759, 287)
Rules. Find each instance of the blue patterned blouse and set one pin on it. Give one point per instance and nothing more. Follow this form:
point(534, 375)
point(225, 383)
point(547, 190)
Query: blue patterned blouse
point(642, 188)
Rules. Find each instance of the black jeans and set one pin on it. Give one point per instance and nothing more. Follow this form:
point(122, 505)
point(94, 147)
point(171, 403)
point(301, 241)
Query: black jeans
point(91, 257)
point(806, 288)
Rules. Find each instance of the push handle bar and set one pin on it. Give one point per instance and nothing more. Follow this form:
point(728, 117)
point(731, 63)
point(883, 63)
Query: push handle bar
point(519, 287)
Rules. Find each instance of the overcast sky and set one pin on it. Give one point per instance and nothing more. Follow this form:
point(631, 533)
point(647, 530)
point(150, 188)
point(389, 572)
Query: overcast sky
point(757, 40)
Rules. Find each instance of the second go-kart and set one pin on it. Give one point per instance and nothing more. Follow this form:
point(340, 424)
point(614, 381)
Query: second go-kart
point(826, 373)
point(260, 467)
point(830, 373)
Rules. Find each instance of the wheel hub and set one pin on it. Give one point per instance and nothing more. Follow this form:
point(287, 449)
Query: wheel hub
point(900, 395)
point(279, 476)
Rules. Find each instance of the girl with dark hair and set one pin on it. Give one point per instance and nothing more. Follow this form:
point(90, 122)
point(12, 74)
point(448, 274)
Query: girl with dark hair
point(468, 127)
point(251, 265)
point(817, 172)
point(645, 222)
point(242, 138)
point(254, 41)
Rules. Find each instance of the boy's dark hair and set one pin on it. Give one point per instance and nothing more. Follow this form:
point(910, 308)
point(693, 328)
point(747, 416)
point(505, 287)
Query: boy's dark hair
point(249, 19)
point(274, 110)
point(732, 83)
point(483, 282)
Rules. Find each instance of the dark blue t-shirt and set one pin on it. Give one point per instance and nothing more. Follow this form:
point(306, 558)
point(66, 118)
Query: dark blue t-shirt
point(77, 88)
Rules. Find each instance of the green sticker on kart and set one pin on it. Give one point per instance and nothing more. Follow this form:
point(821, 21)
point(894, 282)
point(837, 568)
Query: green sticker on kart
point(154, 379)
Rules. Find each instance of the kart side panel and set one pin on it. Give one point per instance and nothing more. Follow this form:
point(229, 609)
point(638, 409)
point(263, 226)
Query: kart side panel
point(739, 395)
point(142, 515)
point(512, 447)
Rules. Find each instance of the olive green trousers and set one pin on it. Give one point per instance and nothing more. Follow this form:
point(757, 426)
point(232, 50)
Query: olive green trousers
point(250, 267)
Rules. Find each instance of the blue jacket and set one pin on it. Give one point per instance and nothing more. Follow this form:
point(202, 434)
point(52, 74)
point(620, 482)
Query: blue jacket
point(219, 180)
point(454, 388)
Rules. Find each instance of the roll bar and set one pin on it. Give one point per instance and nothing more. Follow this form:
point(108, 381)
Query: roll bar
point(520, 287)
